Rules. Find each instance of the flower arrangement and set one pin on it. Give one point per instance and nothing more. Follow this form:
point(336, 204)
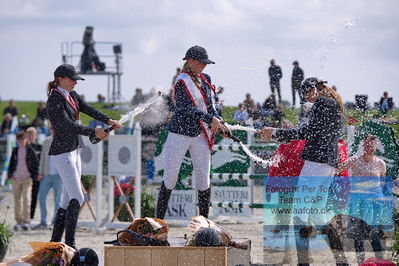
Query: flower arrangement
point(126, 188)
point(50, 257)
point(49, 254)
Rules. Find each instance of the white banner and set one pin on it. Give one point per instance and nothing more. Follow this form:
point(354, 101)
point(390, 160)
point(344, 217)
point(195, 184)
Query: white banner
point(233, 196)
point(182, 205)
point(90, 156)
point(123, 155)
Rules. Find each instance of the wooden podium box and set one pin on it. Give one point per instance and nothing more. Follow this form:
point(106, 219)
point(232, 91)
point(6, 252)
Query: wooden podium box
point(177, 255)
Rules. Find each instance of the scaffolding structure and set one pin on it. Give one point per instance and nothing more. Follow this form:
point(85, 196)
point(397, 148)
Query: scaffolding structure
point(71, 54)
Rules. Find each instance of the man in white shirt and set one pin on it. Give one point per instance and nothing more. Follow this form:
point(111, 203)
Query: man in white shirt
point(366, 164)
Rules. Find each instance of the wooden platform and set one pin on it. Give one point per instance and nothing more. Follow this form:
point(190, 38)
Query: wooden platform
point(177, 255)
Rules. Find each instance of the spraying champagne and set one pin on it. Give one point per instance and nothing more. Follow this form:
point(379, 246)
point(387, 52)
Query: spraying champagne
point(94, 139)
point(228, 133)
point(126, 117)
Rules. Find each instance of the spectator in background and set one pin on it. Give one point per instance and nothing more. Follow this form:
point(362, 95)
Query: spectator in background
point(38, 124)
point(138, 97)
point(275, 75)
point(269, 110)
point(100, 98)
point(270, 102)
point(386, 104)
point(6, 125)
point(23, 122)
point(10, 108)
point(277, 116)
point(31, 139)
point(249, 105)
point(219, 105)
point(49, 178)
point(241, 115)
point(178, 70)
point(23, 168)
point(296, 81)
point(41, 112)
point(368, 165)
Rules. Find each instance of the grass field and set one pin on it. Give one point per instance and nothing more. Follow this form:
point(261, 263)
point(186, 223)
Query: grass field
point(29, 109)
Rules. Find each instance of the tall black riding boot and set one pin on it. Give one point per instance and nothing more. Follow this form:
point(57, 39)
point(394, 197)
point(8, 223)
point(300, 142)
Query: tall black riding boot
point(72, 214)
point(163, 199)
point(59, 225)
point(204, 200)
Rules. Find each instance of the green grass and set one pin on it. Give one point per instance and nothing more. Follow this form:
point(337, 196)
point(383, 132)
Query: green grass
point(29, 108)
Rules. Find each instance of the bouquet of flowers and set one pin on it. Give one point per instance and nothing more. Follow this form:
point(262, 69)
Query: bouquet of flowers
point(49, 254)
point(126, 188)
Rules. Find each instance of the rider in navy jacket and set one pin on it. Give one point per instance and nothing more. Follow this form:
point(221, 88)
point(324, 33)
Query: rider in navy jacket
point(63, 119)
point(186, 117)
point(322, 133)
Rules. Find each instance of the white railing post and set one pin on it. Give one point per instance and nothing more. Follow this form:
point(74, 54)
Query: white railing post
point(137, 199)
point(9, 147)
point(99, 184)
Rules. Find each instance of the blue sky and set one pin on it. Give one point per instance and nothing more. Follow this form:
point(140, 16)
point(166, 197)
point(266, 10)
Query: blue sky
point(352, 44)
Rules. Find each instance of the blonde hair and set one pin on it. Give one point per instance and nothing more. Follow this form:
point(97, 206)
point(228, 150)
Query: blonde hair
point(31, 130)
point(330, 93)
point(187, 69)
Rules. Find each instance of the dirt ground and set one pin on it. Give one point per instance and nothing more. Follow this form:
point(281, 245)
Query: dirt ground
point(239, 228)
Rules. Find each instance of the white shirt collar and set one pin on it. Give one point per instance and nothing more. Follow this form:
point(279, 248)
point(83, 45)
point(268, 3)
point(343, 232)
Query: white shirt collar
point(65, 92)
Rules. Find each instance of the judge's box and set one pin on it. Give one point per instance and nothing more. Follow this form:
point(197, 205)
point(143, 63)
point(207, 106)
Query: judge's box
point(177, 255)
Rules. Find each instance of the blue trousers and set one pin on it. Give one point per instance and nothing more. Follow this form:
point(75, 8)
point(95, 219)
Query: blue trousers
point(48, 182)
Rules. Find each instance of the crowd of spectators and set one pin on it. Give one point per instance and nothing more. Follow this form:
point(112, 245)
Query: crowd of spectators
point(259, 115)
point(13, 122)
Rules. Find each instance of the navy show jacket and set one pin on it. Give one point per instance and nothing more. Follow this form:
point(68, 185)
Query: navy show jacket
point(63, 120)
point(185, 120)
point(321, 133)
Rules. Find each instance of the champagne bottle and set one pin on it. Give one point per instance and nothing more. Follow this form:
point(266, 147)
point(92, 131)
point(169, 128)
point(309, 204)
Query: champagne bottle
point(94, 139)
point(229, 134)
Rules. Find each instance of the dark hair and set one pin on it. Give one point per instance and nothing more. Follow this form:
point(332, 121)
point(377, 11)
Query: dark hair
point(369, 137)
point(20, 135)
point(52, 85)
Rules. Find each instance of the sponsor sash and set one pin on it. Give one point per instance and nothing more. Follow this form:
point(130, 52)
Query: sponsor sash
point(198, 98)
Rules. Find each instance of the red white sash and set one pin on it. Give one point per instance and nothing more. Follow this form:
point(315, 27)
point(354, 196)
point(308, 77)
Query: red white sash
point(71, 101)
point(198, 98)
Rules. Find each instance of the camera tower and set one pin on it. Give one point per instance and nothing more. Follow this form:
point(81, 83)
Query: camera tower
point(88, 63)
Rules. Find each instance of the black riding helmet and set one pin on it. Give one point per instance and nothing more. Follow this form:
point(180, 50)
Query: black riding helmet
point(85, 257)
point(311, 83)
point(207, 237)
